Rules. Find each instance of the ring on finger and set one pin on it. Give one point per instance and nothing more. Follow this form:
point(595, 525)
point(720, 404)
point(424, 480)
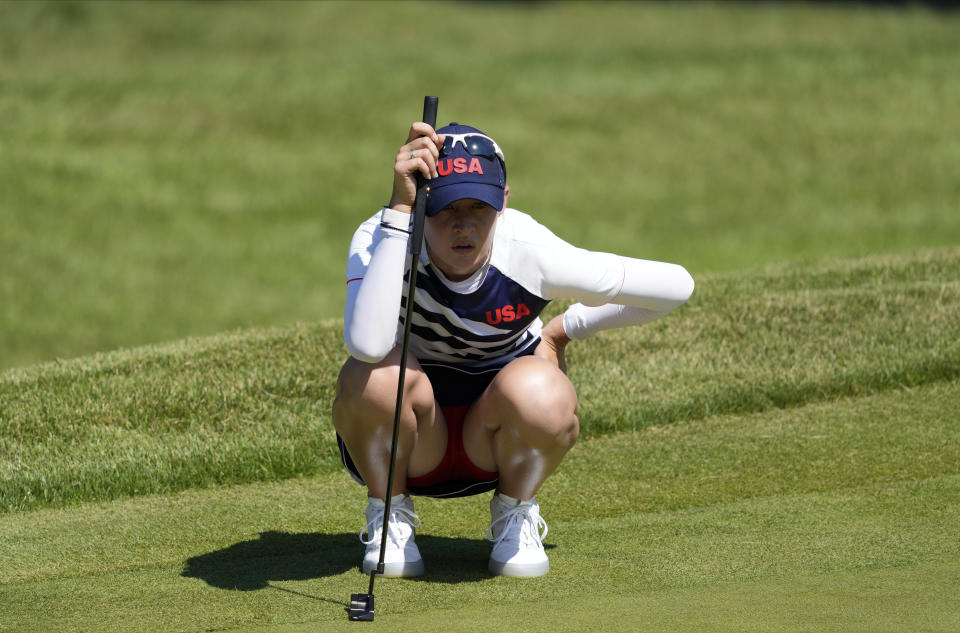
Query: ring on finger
point(413, 154)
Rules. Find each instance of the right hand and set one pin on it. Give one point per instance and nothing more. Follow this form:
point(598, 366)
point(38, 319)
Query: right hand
point(553, 343)
point(424, 144)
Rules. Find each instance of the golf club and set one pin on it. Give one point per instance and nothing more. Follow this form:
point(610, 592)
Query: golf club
point(361, 604)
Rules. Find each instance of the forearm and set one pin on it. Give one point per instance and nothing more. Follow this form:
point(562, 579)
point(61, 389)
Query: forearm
point(373, 301)
point(648, 291)
point(581, 322)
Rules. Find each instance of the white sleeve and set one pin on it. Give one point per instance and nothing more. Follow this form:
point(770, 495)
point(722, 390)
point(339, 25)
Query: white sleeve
point(613, 291)
point(581, 322)
point(619, 291)
point(374, 286)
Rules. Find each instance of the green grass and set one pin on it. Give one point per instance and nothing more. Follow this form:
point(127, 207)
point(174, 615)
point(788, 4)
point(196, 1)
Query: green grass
point(182, 169)
point(823, 497)
point(780, 455)
point(836, 516)
point(255, 405)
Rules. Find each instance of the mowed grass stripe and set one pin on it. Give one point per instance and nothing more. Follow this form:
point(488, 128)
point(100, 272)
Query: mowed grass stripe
point(255, 406)
point(918, 597)
point(786, 539)
point(915, 598)
point(879, 439)
point(836, 489)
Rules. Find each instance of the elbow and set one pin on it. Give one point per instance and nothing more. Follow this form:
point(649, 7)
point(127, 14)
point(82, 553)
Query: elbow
point(680, 290)
point(367, 348)
point(369, 340)
point(685, 285)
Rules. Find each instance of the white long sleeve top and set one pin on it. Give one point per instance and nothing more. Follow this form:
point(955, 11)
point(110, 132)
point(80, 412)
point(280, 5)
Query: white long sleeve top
point(493, 317)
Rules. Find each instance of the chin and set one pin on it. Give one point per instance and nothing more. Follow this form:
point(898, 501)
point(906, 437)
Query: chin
point(459, 272)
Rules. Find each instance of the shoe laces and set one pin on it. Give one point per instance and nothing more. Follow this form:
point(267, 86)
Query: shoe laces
point(398, 514)
point(521, 523)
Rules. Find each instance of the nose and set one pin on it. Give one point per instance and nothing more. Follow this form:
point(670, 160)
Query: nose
point(463, 223)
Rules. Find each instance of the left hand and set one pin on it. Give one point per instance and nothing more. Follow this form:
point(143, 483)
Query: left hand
point(418, 155)
point(553, 342)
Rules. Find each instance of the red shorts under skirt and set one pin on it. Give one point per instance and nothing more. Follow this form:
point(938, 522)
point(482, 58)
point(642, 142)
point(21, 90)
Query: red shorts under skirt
point(455, 466)
point(455, 388)
point(454, 476)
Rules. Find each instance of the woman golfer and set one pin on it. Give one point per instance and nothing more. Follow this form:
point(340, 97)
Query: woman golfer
point(487, 404)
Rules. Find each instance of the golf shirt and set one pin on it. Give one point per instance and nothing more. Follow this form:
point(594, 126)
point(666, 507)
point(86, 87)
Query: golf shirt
point(493, 317)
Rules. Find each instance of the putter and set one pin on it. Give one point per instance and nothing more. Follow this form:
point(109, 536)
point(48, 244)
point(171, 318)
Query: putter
point(361, 604)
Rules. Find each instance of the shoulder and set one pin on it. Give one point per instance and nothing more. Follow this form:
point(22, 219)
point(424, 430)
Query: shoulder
point(521, 224)
point(520, 230)
point(369, 228)
point(526, 251)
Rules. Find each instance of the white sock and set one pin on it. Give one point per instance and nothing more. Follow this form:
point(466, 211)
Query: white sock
point(376, 502)
point(511, 502)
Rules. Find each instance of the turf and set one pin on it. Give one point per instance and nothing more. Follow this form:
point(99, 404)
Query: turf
point(782, 454)
point(182, 169)
point(816, 519)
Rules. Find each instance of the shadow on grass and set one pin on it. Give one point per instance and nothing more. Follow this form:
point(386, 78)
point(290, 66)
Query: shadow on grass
point(280, 556)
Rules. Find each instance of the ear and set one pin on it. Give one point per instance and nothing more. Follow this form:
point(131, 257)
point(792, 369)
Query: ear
point(506, 196)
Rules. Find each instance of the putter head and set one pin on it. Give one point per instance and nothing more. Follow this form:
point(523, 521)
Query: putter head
point(361, 607)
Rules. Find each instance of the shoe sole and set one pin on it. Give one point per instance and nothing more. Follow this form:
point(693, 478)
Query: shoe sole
point(405, 569)
point(519, 570)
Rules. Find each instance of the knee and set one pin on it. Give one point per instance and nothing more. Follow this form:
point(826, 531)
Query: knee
point(368, 391)
point(542, 396)
point(364, 383)
point(540, 385)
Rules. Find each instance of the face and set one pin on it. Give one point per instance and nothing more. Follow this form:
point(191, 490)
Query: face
point(460, 237)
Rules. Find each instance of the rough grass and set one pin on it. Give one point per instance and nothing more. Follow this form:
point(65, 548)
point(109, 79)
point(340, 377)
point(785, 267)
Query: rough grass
point(185, 168)
point(255, 405)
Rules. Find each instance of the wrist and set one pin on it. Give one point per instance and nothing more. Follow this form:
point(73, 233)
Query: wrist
point(555, 332)
point(397, 205)
point(395, 219)
point(560, 341)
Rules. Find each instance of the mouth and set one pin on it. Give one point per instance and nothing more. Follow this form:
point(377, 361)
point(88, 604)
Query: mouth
point(463, 248)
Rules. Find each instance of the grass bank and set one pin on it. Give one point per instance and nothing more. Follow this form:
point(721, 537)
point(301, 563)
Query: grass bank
point(254, 405)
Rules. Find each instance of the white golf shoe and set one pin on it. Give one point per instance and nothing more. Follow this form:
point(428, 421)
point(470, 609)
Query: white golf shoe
point(515, 530)
point(402, 558)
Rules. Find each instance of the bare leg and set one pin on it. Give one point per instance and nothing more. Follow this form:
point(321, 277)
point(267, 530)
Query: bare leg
point(523, 425)
point(363, 416)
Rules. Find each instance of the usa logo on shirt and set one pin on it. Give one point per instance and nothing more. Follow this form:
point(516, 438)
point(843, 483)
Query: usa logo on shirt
point(507, 313)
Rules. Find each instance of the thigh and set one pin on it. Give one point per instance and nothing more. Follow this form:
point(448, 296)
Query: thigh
point(365, 406)
point(430, 444)
point(529, 395)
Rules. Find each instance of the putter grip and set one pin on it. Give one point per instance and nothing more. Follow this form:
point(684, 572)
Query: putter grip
point(430, 110)
point(423, 190)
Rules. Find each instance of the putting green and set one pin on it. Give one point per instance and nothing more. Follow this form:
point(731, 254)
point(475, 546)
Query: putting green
point(858, 536)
